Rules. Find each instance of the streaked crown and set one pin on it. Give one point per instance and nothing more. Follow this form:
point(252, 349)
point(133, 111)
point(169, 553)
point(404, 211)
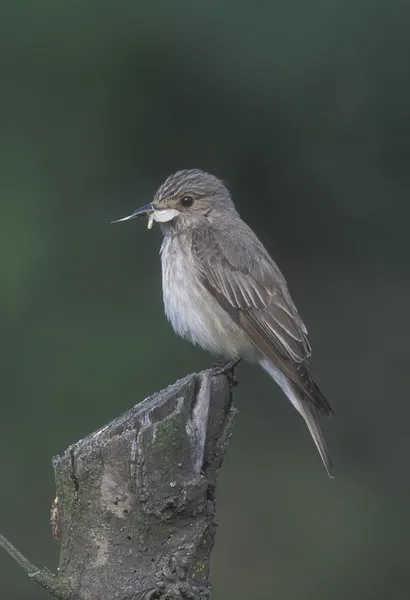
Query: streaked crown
point(193, 183)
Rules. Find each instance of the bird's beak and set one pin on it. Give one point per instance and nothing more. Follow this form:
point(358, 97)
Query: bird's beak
point(148, 209)
point(154, 214)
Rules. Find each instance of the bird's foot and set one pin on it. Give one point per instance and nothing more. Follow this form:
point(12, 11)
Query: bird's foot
point(226, 367)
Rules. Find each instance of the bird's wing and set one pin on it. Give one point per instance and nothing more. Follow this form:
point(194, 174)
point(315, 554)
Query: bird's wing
point(249, 286)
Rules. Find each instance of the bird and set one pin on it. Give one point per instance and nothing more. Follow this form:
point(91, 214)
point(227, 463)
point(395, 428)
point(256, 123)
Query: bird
point(224, 292)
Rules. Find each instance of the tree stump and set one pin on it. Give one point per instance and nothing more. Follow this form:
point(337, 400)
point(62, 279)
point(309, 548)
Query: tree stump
point(135, 505)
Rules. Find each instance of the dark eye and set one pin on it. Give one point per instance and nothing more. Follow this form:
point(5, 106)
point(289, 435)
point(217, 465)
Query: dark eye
point(187, 200)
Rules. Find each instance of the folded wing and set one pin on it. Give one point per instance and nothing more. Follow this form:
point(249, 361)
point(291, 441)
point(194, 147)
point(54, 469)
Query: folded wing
point(249, 286)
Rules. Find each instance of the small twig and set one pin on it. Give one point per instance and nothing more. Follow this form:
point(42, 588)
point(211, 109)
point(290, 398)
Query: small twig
point(43, 577)
point(18, 557)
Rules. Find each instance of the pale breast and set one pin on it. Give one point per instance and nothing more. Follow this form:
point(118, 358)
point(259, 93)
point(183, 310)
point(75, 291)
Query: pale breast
point(194, 314)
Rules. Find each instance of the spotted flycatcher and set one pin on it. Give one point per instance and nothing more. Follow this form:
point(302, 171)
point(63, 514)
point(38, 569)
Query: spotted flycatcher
point(223, 291)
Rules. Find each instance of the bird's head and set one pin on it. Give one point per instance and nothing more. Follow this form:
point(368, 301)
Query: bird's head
point(184, 198)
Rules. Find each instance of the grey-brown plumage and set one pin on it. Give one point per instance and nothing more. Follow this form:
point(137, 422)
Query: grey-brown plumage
point(223, 291)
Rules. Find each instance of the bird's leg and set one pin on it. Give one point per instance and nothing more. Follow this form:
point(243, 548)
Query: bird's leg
point(227, 367)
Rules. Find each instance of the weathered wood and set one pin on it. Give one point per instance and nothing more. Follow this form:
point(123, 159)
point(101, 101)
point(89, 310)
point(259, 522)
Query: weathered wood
point(135, 506)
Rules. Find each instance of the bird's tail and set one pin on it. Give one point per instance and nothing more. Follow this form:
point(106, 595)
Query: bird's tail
point(310, 414)
point(305, 408)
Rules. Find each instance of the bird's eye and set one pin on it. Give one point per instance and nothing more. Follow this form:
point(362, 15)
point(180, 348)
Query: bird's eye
point(187, 200)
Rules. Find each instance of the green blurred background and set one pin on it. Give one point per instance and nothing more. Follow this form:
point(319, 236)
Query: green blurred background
point(304, 109)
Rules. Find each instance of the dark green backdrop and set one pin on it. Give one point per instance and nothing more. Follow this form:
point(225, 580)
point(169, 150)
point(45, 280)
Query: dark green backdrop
point(304, 109)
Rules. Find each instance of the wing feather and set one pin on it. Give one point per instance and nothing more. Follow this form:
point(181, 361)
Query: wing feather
point(249, 286)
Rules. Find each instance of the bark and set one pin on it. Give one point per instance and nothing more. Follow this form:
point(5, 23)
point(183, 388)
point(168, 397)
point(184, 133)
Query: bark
point(135, 505)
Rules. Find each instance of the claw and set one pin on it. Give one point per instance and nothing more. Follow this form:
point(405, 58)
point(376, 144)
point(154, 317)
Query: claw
point(226, 367)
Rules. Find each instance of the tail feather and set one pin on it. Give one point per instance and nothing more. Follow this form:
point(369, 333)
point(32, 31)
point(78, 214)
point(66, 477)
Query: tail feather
point(306, 408)
point(309, 413)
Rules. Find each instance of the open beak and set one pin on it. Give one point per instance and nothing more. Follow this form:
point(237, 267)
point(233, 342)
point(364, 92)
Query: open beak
point(148, 209)
point(152, 213)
